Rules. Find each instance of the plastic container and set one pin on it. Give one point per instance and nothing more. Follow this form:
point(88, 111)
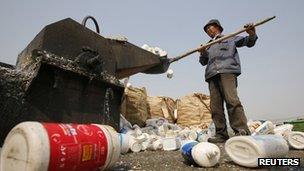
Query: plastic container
point(134, 145)
point(296, 140)
point(169, 73)
point(124, 143)
point(157, 145)
point(186, 150)
point(266, 128)
point(283, 130)
point(206, 154)
point(253, 125)
point(203, 137)
point(245, 150)
point(124, 125)
point(170, 144)
point(56, 147)
point(145, 145)
point(193, 135)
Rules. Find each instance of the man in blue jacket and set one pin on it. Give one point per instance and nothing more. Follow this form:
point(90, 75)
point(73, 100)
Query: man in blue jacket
point(223, 67)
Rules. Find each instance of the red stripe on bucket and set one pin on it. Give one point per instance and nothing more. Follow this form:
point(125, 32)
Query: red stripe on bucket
point(76, 147)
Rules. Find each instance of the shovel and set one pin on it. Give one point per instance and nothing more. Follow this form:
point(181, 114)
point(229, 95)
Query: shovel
point(171, 60)
point(165, 62)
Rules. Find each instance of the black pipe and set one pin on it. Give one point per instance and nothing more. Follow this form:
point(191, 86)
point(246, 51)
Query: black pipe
point(84, 21)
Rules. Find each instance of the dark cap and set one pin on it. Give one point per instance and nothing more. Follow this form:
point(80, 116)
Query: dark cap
point(215, 22)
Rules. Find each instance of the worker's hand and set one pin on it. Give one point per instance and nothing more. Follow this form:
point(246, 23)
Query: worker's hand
point(250, 29)
point(202, 50)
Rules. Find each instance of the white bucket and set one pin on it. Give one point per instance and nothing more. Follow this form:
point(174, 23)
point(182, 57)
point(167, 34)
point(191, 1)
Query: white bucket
point(206, 154)
point(245, 150)
point(266, 128)
point(50, 146)
point(296, 140)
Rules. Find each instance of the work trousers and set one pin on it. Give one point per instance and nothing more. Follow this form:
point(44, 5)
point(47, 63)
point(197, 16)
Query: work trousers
point(223, 88)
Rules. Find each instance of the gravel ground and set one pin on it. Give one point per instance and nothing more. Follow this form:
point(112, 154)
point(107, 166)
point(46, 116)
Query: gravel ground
point(173, 160)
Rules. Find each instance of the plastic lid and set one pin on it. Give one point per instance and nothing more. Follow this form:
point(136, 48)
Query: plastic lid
point(26, 148)
point(243, 151)
point(296, 140)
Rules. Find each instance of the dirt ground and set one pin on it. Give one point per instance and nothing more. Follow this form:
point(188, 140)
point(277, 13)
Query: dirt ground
point(173, 160)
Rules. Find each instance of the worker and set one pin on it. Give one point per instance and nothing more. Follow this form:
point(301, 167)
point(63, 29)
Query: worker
point(223, 68)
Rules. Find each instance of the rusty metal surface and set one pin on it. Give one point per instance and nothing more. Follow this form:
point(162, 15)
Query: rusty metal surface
point(55, 89)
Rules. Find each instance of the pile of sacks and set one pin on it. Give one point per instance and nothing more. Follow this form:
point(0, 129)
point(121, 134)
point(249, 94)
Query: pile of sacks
point(189, 111)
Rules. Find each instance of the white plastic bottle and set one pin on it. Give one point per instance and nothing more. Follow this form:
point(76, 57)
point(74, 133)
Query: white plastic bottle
point(266, 128)
point(33, 146)
point(283, 130)
point(245, 150)
point(206, 154)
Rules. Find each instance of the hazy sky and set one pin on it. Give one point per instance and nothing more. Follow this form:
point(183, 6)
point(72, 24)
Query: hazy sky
point(271, 84)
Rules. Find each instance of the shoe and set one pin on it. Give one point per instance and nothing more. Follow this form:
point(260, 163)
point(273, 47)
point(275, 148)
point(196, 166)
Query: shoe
point(242, 132)
point(217, 139)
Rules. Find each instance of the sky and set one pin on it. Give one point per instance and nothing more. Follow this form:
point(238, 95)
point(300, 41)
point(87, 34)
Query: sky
point(271, 83)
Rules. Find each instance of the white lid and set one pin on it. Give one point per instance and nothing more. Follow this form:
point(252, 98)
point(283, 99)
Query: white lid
point(296, 140)
point(134, 145)
point(26, 148)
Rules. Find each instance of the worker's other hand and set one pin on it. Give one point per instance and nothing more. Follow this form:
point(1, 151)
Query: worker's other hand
point(250, 28)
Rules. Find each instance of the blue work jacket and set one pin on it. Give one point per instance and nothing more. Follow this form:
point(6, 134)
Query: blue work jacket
point(223, 57)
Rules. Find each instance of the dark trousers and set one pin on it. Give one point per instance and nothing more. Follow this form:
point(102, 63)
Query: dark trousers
point(223, 87)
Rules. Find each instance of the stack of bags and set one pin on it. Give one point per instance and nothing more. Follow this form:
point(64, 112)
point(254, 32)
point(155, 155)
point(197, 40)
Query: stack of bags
point(189, 111)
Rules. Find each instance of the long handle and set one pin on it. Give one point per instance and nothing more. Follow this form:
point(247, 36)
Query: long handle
point(218, 40)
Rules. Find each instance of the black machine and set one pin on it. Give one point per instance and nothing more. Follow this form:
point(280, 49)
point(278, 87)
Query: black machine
point(69, 73)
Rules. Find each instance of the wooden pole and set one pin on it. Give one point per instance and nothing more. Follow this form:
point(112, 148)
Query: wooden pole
point(218, 40)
